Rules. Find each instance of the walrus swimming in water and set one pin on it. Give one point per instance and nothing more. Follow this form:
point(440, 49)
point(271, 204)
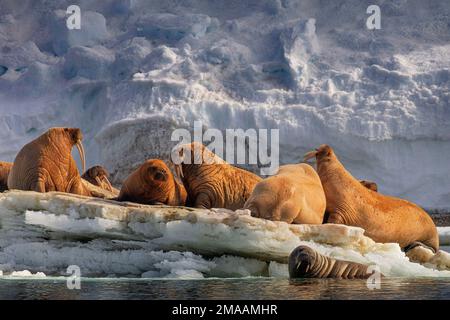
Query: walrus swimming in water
point(293, 195)
point(5, 167)
point(46, 164)
point(210, 181)
point(98, 176)
point(153, 183)
point(305, 262)
point(384, 218)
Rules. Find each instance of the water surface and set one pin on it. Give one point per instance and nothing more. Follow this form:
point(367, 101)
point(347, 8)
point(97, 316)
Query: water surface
point(251, 288)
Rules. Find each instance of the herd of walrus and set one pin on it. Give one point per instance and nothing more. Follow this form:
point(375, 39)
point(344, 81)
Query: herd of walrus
point(298, 194)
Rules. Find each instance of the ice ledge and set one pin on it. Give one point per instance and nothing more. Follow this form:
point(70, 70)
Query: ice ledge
point(210, 233)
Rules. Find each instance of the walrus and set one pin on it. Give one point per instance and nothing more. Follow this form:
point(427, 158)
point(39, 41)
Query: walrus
point(384, 218)
point(305, 262)
point(293, 195)
point(98, 176)
point(210, 181)
point(5, 168)
point(369, 185)
point(153, 183)
point(46, 164)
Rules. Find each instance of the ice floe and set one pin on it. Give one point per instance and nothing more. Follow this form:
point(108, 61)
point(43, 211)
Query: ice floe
point(49, 232)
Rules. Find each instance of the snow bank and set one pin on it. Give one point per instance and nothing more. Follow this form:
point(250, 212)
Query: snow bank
point(48, 232)
point(139, 69)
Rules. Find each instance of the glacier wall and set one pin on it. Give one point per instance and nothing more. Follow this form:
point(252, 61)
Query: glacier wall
point(139, 69)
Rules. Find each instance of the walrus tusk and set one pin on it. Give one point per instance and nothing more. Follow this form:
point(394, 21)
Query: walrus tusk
point(82, 154)
point(109, 184)
point(179, 170)
point(98, 181)
point(309, 155)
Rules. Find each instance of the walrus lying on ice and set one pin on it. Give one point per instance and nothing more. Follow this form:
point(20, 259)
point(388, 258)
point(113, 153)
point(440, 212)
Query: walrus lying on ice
point(211, 182)
point(293, 195)
point(153, 183)
point(384, 218)
point(98, 176)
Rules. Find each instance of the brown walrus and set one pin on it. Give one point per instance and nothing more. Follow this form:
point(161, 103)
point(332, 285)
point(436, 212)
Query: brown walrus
point(369, 185)
point(5, 168)
point(305, 262)
point(210, 181)
point(293, 195)
point(98, 176)
point(153, 183)
point(384, 218)
point(46, 164)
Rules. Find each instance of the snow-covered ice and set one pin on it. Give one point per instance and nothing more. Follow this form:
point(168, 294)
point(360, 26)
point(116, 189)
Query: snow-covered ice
point(44, 233)
point(139, 69)
point(444, 236)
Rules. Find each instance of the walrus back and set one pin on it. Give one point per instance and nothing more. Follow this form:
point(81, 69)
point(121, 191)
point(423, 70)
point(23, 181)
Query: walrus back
point(417, 226)
point(384, 218)
point(218, 186)
point(22, 176)
point(293, 195)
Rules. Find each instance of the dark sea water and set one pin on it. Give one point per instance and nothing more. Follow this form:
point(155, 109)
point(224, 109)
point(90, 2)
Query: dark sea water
point(250, 288)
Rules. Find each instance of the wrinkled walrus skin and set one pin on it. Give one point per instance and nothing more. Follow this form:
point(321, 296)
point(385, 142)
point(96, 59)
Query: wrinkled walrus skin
point(384, 218)
point(98, 176)
point(153, 183)
point(293, 195)
point(46, 164)
point(305, 262)
point(5, 168)
point(210, 181)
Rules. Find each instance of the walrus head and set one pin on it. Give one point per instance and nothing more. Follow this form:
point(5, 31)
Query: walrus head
point(155, 171)
point(323, 153)
point(98, 176)
point(74, 137)
point(151, 183)
point(194, 153)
